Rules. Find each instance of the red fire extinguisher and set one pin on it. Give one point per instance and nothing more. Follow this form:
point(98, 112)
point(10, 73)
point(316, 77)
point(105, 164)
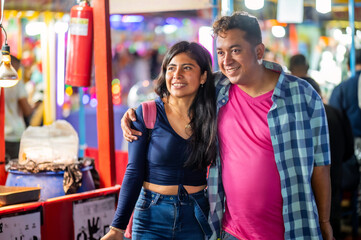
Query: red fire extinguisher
point(80, 45)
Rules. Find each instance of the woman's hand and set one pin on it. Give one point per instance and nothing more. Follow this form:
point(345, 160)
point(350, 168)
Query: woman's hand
point(129, 134)
point(113, 235)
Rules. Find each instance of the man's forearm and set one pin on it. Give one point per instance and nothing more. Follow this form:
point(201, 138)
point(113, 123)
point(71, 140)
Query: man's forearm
point(321, 185)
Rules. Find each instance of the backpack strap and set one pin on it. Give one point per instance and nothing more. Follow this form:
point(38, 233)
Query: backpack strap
point(149, 113)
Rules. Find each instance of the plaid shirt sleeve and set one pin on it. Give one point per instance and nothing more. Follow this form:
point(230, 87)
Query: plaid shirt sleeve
point(319, 127)
point(299, 134)
point(215, 187)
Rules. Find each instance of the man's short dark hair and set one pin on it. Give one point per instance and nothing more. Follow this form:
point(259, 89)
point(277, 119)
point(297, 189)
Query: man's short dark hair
point(297, 61)
point(357, 57)
point(242, 21)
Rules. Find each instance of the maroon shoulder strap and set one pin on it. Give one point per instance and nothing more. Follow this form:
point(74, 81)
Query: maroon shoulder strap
point(149, 113)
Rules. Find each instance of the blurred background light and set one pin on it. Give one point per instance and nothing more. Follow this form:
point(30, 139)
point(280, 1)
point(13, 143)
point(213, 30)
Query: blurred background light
point(35, 28)
point(254, 4)
point(278, 31)
point(323, 6)
point(132, 18)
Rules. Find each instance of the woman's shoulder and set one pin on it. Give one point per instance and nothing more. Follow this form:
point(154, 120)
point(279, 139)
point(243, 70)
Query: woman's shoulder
point(140, 109)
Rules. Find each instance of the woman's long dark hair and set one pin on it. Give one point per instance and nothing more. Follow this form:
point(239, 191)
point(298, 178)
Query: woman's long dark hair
point(202, 111)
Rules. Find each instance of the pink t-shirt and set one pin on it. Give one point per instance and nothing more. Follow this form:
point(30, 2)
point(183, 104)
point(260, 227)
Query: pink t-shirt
point(249, 171)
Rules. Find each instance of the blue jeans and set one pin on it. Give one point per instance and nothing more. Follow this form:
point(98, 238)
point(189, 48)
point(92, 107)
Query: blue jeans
point(173, 217)
point(227, 236)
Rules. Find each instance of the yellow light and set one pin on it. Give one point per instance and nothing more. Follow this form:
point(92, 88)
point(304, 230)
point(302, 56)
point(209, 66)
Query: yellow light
point(116, 89)
point(69, 91)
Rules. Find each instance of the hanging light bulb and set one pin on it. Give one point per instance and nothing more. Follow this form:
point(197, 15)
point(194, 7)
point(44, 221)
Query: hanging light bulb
point(8, 75)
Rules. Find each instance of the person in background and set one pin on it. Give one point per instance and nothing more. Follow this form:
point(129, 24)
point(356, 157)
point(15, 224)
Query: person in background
point(273, 166)
point(341, 142)
point(269, 55)
point(299, 68)
point(341, 145)
point(347, 98)
point(170, 162)
point(16, 108)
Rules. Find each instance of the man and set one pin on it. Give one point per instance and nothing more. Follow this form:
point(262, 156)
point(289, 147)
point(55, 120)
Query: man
point(273, 164)
point(16, 108)
point(299, 68)
point(347, 98)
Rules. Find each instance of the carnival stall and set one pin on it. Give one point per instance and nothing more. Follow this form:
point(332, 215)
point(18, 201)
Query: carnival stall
point(85, 64)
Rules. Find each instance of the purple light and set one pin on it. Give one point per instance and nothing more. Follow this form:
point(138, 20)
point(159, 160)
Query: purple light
point(86, 99)
point(115, 18)
point(132, 18)
point(173, 21)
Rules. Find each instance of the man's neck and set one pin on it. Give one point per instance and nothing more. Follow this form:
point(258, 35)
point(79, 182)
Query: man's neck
point(264, 81)
point(358, 67)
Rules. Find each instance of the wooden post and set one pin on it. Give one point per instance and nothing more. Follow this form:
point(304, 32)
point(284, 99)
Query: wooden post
point(2, 137)
point(103, 75)
point(2, 127)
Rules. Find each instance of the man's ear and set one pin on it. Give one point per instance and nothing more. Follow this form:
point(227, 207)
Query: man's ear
point(259, 49)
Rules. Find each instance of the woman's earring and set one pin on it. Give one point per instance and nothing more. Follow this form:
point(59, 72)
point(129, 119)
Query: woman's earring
point(202, 85)
point(260, 61)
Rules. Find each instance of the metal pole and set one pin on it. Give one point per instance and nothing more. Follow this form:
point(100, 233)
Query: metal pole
point(227, 7)
point(231, 7)
point(214, 17)
point(351, 13)
point(82, 124)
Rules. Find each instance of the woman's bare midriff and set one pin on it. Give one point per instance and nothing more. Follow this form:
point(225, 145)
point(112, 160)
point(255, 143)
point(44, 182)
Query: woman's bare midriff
point(171, 190)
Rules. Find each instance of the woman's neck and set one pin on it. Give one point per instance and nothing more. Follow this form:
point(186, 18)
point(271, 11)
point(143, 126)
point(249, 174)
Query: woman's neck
point(180, 105)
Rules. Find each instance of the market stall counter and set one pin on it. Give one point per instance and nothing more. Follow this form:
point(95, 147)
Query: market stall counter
point(84, 215)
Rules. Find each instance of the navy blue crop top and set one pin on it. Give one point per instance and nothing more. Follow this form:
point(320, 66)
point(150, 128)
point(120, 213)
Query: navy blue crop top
point(160, 163)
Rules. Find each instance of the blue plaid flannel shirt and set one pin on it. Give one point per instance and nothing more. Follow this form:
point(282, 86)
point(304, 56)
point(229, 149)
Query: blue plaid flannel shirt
point(299, 134)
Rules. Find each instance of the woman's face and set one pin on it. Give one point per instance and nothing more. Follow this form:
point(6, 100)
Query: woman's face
point(183, 76)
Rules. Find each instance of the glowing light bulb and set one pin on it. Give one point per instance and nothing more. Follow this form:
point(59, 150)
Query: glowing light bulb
point(8, 75)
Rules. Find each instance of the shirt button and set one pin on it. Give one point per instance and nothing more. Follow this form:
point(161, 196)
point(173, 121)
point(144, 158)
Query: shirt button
point(223, 101)
point(285, 210)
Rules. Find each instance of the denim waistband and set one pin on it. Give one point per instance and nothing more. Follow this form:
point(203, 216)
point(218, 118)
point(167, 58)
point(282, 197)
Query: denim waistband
point(181, 196)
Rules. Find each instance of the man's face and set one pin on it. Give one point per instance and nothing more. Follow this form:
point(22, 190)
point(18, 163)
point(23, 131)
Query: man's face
point(237, 58)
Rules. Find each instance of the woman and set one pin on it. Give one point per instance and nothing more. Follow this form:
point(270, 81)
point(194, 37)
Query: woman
point(170, 162)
